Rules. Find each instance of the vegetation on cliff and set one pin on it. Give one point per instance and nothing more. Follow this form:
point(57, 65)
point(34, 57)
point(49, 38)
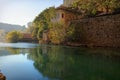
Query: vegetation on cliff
point(42, 22)
point(91, 7)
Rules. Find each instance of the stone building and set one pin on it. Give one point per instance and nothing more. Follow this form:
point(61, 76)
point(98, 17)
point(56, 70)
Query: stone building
point(65, 14)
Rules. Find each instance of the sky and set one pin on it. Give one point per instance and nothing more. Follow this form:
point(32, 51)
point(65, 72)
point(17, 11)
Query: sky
point(21, 12)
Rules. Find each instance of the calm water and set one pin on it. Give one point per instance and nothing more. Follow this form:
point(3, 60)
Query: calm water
point(24, 61)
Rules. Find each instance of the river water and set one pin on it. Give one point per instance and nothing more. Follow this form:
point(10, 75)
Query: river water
point(27, 61)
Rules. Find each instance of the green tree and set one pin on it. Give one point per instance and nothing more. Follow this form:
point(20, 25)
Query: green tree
point(13, 36)
point(57, 33)
point(90, 7)
point(34, 32)
point(42, 21)
point(87, 7)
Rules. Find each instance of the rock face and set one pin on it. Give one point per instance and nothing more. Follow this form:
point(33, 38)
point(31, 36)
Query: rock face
point(2, 77)
point(99, 31)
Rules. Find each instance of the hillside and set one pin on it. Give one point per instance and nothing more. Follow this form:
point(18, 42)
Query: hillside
point(4, 28)
point(10, 27)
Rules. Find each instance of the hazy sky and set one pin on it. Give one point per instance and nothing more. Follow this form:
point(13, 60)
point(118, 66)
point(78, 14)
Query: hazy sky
point(23, 11)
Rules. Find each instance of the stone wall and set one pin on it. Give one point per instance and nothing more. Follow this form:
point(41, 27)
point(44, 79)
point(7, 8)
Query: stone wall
point(99, 31)
point(68, 16)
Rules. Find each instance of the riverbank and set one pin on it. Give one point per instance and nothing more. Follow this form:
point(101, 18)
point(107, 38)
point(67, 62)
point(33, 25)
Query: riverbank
point(75, 44)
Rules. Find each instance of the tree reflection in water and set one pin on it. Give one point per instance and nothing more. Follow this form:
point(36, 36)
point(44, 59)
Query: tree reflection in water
point(64, 63)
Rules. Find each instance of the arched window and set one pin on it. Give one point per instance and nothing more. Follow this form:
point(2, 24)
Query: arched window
point(62, 15)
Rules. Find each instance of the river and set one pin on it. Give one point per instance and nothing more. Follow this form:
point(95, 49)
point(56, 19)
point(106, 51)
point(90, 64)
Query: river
point(27, 61)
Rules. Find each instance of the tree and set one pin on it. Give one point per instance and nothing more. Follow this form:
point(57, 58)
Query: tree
point(13, 36)
point(87, 7)
point(109, 5)
point(43, 21)
point(90, 7)
point(57, 33)
point(34, 32)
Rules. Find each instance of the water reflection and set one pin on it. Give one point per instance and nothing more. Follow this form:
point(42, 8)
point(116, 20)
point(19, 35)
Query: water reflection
point(18, 45)
point(47, 62)
point(66, 63)
point(15, 65)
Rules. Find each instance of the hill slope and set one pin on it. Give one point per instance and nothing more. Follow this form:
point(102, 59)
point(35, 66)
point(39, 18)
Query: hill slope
point(4, 28)
point(10, 27)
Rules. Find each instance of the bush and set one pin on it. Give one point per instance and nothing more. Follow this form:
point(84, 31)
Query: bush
point(91, 7)
point(13, 36)
point(57, 33)
point(42, 22)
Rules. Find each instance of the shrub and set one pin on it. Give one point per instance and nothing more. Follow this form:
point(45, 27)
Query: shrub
point(13, 36)
point(57, 33)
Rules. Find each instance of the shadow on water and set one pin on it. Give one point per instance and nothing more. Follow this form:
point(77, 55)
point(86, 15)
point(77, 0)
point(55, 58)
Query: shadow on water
point(70, 63)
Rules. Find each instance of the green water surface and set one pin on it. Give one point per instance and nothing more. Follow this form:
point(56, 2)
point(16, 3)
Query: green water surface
point(24, 61)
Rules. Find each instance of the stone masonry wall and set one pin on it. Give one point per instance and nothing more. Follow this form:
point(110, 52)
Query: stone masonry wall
point(99, 31)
